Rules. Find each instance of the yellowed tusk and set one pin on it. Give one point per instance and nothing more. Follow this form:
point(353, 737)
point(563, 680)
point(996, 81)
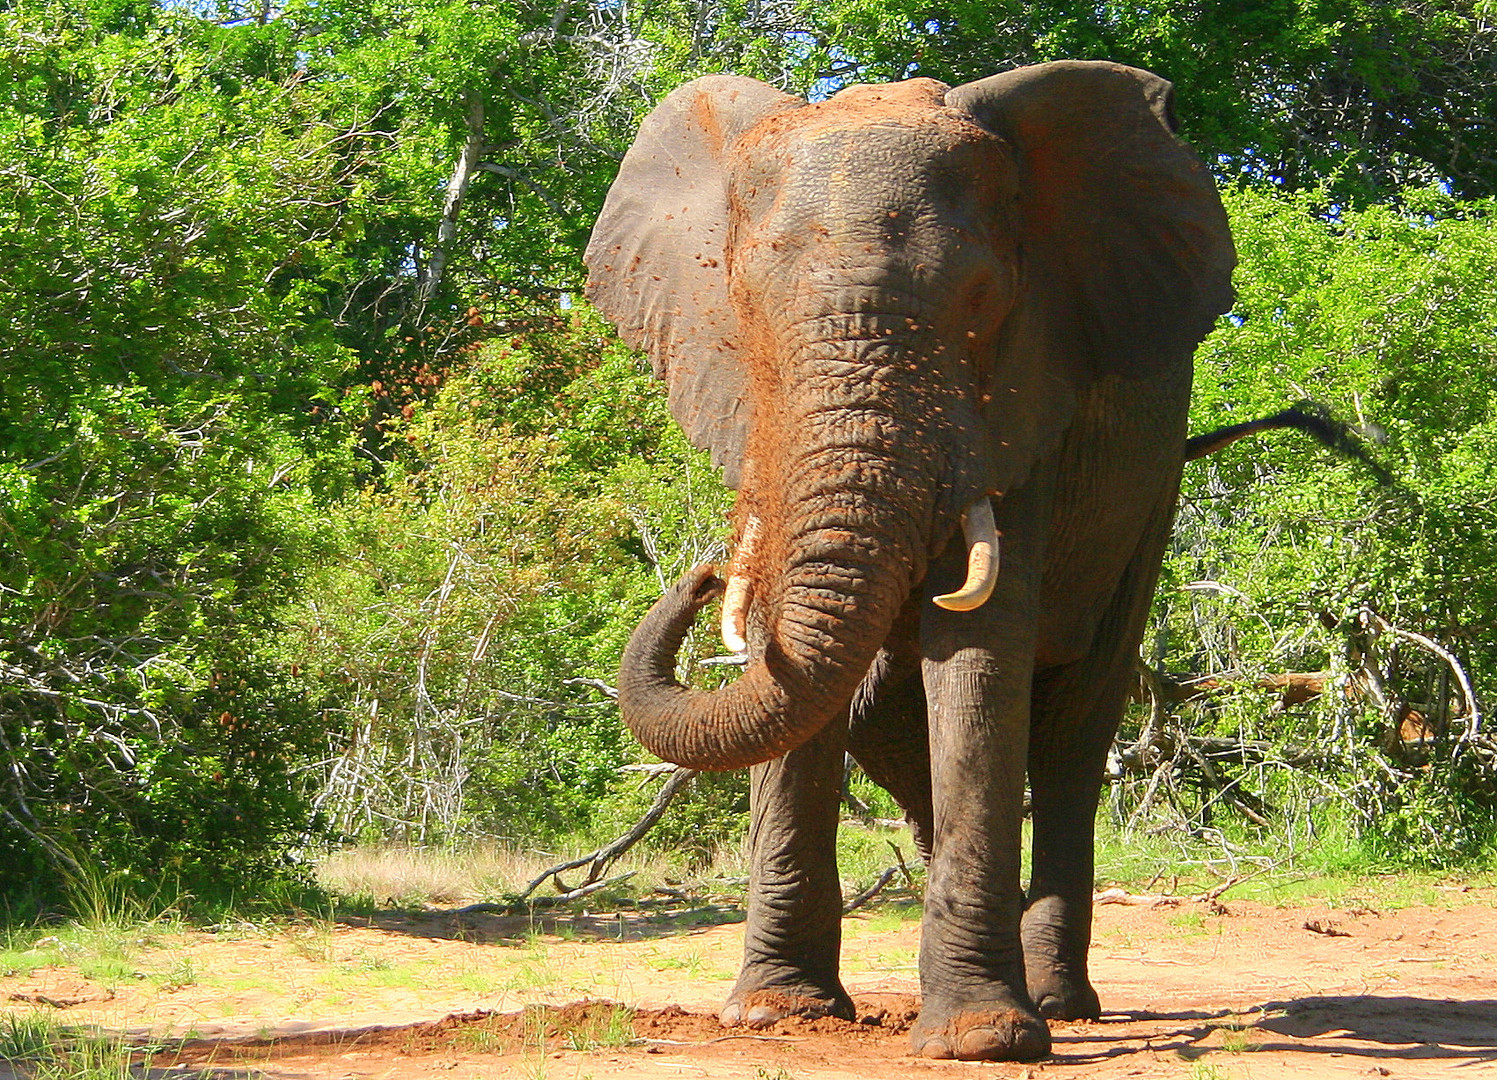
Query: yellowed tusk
point(981, 534)
point(736, 595)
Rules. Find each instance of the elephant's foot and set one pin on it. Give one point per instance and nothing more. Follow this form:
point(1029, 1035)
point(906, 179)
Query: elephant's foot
point(1000, 1030)
point(1059, 993)
point(759, 1004)
point(1055, 958)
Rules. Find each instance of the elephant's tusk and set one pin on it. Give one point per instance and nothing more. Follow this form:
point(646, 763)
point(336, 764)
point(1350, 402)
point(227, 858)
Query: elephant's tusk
point(736, 595)
point(981, 535)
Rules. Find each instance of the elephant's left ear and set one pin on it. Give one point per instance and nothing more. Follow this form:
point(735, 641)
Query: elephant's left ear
point(1125, 242)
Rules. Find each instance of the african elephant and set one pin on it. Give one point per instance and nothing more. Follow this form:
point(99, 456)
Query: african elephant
point(902, 315)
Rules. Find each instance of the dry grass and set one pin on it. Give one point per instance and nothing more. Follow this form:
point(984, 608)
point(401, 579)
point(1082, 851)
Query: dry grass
point(415, 877)
point(386, 876)
point(399, 876)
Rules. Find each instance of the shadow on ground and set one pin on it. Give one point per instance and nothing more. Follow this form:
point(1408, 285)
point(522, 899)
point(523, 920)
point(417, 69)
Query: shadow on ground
point(1370, 1028)
point(1400, 1028)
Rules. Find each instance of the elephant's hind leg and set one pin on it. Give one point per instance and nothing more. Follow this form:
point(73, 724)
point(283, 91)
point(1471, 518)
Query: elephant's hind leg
point(794, 928)
point(1076, 709)
point(889, 737)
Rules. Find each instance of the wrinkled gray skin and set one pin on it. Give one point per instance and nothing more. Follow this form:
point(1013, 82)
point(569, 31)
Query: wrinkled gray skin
point(873, 311)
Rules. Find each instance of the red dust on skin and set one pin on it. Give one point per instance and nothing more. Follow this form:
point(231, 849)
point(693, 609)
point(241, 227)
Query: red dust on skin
point(762, 1008)
point(916, 105)
point(980, 1036)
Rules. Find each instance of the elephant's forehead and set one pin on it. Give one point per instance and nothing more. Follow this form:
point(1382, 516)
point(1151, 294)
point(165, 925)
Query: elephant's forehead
point(868, 174)
point(929, 93)
point(912, 110)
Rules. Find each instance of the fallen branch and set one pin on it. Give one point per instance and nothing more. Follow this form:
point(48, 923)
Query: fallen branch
point(903, 867)
point(870, 892)
point(523, 905)
point(578, 893)
point(601, 859)
point(1373, 620)
point(1235, 880)
point(1123, 896)
point(1294, 687)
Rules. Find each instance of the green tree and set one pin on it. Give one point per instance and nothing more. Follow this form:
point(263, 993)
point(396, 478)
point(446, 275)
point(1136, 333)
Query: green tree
point(1361, 98)
point(1286, 560)
point(170, 432)
point(490, 585)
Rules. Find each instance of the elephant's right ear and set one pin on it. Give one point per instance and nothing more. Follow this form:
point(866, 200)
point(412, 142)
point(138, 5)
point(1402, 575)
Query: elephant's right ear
point(657, 260)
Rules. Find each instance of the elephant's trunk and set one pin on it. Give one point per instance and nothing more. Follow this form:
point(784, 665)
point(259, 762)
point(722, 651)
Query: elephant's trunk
point(756, 718)
point(832, 617)
point(848, 524)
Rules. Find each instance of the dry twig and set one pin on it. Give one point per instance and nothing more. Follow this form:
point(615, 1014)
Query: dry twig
point(601, 859)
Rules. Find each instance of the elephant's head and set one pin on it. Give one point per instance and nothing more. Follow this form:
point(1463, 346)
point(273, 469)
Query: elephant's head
point(876, 312)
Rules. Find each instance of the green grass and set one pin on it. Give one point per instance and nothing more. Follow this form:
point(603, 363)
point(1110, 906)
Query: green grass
point(890, 915)
point(486, 1037)
point(1190, 922)
point(108, 955)
point(689, 963)
point(481, 981)
point(609, 1027)
point(1237, 1040)
point(415, 974)
point(892, 960)
point(1333, 868)
point(40, 1048)
point(1200, 1070)
point(181, 973)
point(1300, 865)
point(26, 1035)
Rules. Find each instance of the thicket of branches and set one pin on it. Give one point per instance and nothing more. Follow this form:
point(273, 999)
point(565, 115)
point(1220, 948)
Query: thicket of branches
point(325, 505)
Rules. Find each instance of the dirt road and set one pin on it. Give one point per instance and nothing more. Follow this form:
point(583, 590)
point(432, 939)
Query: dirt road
point(1206, 992)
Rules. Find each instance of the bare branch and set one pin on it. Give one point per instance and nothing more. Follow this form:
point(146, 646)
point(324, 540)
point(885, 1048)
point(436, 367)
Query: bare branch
point(601, 859)
point(870, 892)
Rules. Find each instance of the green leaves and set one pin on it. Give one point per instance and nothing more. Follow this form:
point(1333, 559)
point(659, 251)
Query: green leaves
point(1389, 316)
point(546, 497)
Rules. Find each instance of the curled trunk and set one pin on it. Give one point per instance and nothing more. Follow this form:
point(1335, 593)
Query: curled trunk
point(832, 608)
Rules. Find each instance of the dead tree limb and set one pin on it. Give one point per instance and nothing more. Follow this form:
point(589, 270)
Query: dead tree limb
point(870, 892)
point(599, 861)
point(610, 692)
point(457, 188)
point(1165, 767)
point(904, 868)
point(1225, 790)
point(522, 905)
point(1373, 620)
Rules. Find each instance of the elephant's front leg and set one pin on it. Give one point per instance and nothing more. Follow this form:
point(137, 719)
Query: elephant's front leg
point(794, 930)
point(978, 668)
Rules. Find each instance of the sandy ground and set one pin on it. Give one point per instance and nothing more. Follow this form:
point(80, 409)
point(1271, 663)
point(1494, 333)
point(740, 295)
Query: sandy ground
point(1206, 992)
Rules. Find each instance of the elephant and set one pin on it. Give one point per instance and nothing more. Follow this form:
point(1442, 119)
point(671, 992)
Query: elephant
point(912, 323)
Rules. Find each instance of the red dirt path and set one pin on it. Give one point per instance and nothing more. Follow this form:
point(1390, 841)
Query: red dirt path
point(1230, 991)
